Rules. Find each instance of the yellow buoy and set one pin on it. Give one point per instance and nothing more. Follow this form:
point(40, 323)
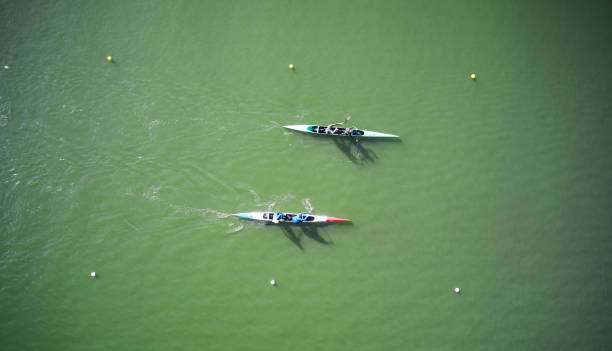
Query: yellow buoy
point(291, 66)
point(109, 58)
point(473, 76)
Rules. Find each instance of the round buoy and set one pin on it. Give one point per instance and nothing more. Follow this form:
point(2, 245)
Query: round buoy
point(291, 66)
point(473, 76)
point(272, 282)
point(5, 67)
point(93, 274)
point(457, 290)
point(109, 58)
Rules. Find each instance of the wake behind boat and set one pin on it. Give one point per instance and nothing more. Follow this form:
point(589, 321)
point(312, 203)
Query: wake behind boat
point(288, 217)
point(338, 131)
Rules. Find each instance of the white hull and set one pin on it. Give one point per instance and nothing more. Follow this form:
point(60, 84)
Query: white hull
point(268, 217)
point(310, 128)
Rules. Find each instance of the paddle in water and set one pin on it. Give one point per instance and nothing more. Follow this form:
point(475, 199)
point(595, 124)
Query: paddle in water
point(348, 118)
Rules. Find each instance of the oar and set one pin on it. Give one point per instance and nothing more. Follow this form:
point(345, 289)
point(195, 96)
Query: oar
point(348, 118)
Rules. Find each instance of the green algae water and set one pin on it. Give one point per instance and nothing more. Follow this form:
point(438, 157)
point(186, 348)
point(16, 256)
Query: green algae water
point(500, 186)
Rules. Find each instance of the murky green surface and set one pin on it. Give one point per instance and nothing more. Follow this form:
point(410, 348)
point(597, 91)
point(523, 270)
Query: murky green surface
point(499, 186)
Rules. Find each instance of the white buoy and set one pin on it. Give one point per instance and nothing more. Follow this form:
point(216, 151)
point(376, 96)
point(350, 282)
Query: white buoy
point(5, 67)
point(93, 274)
point(272, 282)
point(457, 290)
point(473, 76)
point(291, 66)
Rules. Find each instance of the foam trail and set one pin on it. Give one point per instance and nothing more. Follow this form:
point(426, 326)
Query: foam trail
point(132, 225)
point(218, 214)
point(256, 198)
point(274, 125)
point(204, 212)
point(236, 229)
point(219, 181)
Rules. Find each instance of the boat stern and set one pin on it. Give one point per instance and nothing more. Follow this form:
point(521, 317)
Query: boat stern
point(300, 127)
point(243, 215)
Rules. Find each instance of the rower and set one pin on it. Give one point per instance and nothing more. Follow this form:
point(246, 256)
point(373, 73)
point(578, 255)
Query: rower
point(349, 131)
point(330, 129)
point(299, 218)
point(277, 216)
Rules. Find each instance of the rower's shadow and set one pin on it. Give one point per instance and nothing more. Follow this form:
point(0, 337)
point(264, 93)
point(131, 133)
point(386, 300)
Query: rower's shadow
point(349, 147)
point(296, 232)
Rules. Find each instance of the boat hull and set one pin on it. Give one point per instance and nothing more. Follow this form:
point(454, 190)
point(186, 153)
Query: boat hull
point(287, 218)
point(318, 129)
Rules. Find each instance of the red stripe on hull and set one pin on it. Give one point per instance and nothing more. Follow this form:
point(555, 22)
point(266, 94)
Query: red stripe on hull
point(334, 219)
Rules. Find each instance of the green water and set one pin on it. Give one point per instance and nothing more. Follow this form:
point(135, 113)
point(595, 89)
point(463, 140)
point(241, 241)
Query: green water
point(499, 185)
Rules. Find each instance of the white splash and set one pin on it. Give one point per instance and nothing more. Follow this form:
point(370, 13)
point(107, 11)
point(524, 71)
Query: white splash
point(307, 205)
point(256, 198)
point(153, 123)
point(152, 193)
point(269, 206)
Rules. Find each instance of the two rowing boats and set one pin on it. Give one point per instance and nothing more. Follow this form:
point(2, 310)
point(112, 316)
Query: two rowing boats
point(322, 130)
point(287, 217)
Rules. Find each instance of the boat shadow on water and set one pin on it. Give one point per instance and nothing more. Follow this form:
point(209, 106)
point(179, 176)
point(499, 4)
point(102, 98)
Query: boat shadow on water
point(296, 232)
point(349, 148)
point(361, 154)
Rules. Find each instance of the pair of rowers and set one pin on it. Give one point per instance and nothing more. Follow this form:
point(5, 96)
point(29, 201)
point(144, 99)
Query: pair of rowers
point(330, 129)
point(298, 218)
